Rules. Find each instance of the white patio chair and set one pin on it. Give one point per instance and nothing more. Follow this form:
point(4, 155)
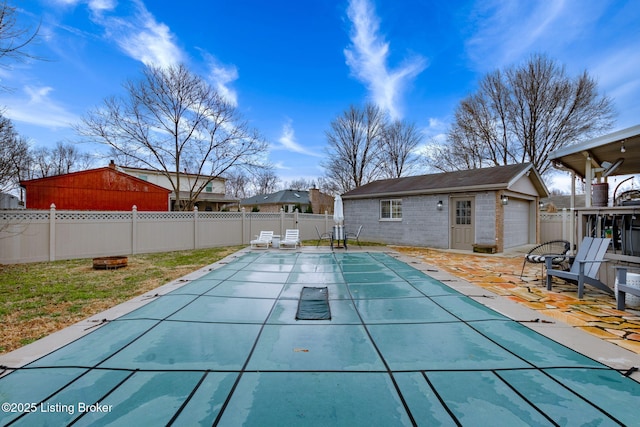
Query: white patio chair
point(263, 240)
point(291, 239)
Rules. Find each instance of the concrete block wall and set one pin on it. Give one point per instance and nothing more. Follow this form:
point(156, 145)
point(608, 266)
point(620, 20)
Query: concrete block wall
point(422, 223)
point(485, 217)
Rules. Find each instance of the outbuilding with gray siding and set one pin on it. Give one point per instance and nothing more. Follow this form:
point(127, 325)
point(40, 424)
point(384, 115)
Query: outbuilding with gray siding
point(489, 208)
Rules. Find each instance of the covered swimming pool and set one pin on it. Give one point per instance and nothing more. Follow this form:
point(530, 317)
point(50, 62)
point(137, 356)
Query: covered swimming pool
point(400, 348)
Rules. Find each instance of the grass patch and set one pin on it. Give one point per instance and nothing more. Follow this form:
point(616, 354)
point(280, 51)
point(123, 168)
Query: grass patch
point(37, 299)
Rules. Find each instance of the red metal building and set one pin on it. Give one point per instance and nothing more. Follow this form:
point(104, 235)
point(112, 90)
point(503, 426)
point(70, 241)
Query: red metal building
point(102, 189)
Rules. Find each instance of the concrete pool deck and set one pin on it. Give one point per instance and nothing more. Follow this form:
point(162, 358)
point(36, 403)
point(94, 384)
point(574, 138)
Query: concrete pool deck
point(381, 314)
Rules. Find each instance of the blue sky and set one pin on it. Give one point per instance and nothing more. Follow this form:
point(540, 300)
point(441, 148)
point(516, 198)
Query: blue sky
point(293, 66)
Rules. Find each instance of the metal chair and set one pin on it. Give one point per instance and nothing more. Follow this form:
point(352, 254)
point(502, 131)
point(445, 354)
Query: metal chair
point(538, 254)
point(322, 236)
point(356, 235)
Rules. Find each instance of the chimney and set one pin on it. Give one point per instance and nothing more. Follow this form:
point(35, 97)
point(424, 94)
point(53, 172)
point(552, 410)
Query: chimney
point(112, 164)
point(314, 200)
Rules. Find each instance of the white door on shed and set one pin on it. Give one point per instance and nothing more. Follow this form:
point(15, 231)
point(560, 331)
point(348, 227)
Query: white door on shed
point(516, 222)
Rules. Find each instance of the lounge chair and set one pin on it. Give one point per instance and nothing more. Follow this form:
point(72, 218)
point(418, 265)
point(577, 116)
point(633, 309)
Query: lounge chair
point(585, 266)
point(354, 236)
point(291, 239)
point(538, 254)
point(263, 240)
point(322, 236)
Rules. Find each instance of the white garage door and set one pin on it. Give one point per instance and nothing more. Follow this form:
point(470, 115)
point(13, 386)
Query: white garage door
point(516, 223)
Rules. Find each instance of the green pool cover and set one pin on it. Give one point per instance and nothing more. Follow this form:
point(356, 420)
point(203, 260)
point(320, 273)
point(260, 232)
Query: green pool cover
point(314, 304)
point(400, 348)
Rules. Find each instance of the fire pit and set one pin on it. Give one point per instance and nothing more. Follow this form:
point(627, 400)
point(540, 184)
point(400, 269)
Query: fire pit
point(110, 262)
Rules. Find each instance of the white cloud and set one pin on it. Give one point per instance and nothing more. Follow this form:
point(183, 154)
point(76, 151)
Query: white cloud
point(504, 33)
point(280, 166)
point(288, 141)
point(39, 109)
point(617, 74)
point(136, 32)
point(96, 6)
point(367, 58)
point(221, 76)
point(143, 38)
point(434, 136)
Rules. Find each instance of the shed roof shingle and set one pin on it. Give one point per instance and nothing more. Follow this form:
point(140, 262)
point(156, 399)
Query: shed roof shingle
point(465, 180)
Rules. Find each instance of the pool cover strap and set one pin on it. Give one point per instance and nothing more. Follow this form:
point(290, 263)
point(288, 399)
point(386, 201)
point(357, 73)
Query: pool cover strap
point(314, 304)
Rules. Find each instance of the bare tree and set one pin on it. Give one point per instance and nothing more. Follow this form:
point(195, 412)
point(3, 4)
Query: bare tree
point(265, 181)
point(13, 148)
point(40, 164)
point(300, 184)
point(13, 38)
point(353, 155)
point(237, 184)
point(13, 155)
point(63, 158)
point(399, 142)
point(173, 121)
point(523, 114)
point(323, 185)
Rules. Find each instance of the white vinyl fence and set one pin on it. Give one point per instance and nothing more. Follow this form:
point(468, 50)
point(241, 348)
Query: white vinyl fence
point(36, 235)
point(557, 226)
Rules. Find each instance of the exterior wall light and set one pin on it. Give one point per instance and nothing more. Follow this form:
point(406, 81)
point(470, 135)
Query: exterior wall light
point(505, 199)
point(439, 205)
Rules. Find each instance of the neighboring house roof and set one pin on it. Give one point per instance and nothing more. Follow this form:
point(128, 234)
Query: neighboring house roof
point(564, 201)
point(128, 182)
point(131, 169)
point(209, 197)
point(204, 196)
point(483, 179)
point(284, 197)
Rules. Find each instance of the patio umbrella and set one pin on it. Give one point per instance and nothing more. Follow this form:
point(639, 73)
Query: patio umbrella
point(338, 210)
point(338, 218)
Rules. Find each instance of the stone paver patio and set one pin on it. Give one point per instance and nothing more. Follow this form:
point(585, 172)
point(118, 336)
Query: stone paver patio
point(500, 274)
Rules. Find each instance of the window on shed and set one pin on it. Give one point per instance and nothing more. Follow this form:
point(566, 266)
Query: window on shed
point(463, 212)
point(391, 209)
